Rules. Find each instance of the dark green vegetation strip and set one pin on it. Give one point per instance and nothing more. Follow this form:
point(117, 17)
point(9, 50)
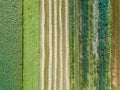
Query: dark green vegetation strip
point(84, 41)
point(72, 27)
point(104, 46)
point(31, 44)
point(10, 44)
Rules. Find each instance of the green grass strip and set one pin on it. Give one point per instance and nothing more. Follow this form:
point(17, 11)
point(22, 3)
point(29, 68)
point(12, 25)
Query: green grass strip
point(91, 59)
point(31, 44)
point(72, 27)
point(108, 48)
point(10, 44)
point(76, 45)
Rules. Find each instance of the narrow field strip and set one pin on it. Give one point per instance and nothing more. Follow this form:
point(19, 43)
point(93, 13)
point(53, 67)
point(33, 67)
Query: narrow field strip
point(115, 44)
point(104, 45)
point(31, 42)
point(61, 30)
point(67, 59)
point(76, 45)
point(85, 45)
point(50, 47)
point(42, 39)
point(72, 30)
point(55, 46)
point(95, 42)
point(91, 60)
point(63, 43)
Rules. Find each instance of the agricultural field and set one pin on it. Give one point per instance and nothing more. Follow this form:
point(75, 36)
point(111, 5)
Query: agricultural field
point(59, 45)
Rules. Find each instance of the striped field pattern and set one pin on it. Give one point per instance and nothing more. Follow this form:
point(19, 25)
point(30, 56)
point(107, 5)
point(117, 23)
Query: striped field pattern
point(75, 45)
point(59, 44)
point(54, 45)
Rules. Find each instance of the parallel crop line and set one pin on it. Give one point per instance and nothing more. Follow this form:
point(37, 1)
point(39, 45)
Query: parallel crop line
point(95, 38)
point(55, 44)
point(95, 27)
point(50, 47)
point(67, 45)
point(61, 49)
point(42, 46)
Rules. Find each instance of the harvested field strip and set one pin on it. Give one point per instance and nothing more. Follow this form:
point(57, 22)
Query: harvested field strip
point(67, 54)
point(42, 39)
point(55, 45)
point(50, 59)
point(61, 38)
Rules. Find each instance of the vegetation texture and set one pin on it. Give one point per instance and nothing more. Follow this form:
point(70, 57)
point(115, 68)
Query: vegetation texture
point(59, 44)
point(31, 47)
point(10, 45)
point(90, 44)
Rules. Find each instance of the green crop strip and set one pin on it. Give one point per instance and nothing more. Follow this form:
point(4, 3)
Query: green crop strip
point(104, 46)
point(108, 48)
point(91, 59)
point(10, 44)
point(31, 53)
point(84, 36)
point(80, 46)
point(76, 45)
point(72, 67)
point(95, 45)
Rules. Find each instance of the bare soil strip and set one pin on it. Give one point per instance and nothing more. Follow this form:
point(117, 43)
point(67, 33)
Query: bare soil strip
point(115, 45)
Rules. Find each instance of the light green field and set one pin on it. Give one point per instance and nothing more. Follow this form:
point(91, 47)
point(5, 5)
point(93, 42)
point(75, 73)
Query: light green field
point(31, 46)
